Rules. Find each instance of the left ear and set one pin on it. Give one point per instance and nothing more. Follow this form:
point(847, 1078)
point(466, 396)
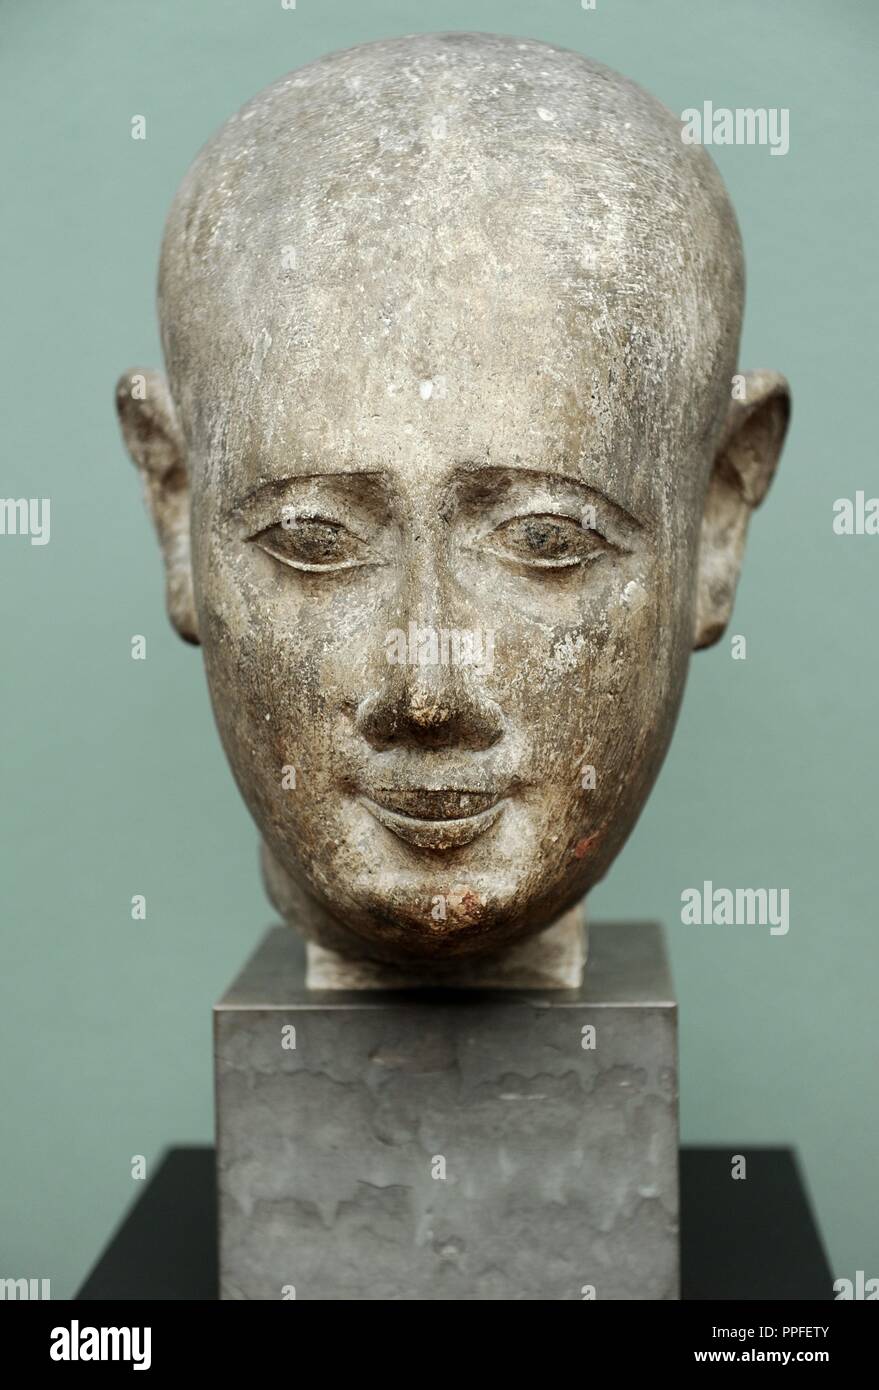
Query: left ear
point(746, 459)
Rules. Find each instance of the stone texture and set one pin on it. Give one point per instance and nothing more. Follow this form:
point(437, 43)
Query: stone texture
point(451, 327)
point(555, 959)
point(560, 1162)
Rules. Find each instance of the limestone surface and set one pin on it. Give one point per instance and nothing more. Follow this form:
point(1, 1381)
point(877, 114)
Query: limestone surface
point(449, 474)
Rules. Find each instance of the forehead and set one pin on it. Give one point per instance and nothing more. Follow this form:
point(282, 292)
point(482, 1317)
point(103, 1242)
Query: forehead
point(518, 384)
point(427, 257)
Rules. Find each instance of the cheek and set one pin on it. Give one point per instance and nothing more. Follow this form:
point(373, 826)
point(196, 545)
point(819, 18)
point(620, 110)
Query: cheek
point(269, 636)
point(562, 680)
point(285, 668)
point(628, 726)
point(596, 703)
point(271, 691)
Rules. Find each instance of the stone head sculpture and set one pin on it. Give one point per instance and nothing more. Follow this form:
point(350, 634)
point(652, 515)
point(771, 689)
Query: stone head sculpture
point(451, 472)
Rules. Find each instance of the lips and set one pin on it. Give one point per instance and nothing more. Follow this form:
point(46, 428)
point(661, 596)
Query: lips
point(434, 819)
point(423, 804)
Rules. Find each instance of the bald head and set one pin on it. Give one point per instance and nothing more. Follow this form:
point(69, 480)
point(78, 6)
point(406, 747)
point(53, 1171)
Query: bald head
point(466, 215)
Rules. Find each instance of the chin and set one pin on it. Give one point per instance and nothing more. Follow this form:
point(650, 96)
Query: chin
point(451, 916)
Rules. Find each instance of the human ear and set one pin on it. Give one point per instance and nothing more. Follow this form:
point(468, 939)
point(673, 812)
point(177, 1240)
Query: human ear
point(749, 449)
point(155, 442)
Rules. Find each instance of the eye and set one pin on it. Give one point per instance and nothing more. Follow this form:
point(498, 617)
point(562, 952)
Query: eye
point(312, 543)
point(544, 541)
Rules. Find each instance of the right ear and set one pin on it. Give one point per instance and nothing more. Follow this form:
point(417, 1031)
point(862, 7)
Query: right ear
point(155, 442)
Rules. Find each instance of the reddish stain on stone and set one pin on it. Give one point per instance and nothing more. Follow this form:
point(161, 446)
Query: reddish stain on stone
point(466, 904)
point(582, 847)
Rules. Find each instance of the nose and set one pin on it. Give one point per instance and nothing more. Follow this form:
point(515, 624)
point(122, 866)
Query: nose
point(429, 707)
point(431, 671)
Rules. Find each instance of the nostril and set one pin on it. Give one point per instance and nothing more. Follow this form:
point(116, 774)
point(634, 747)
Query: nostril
point(376, 721)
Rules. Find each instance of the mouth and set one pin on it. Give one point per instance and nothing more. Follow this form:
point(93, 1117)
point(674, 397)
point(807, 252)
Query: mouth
point(438, 820)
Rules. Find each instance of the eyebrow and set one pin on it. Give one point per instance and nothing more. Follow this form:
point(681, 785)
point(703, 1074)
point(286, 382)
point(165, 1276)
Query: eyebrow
point(271, 487)
point(468, 470)
point(552, 477)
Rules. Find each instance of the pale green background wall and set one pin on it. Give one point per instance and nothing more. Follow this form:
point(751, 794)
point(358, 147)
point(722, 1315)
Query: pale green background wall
point(113, 782)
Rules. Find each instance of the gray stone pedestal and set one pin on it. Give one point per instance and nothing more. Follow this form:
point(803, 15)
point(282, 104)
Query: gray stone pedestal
point(438, 1145)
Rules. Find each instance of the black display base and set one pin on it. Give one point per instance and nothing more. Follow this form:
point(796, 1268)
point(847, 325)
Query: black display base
point(752, 1238)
